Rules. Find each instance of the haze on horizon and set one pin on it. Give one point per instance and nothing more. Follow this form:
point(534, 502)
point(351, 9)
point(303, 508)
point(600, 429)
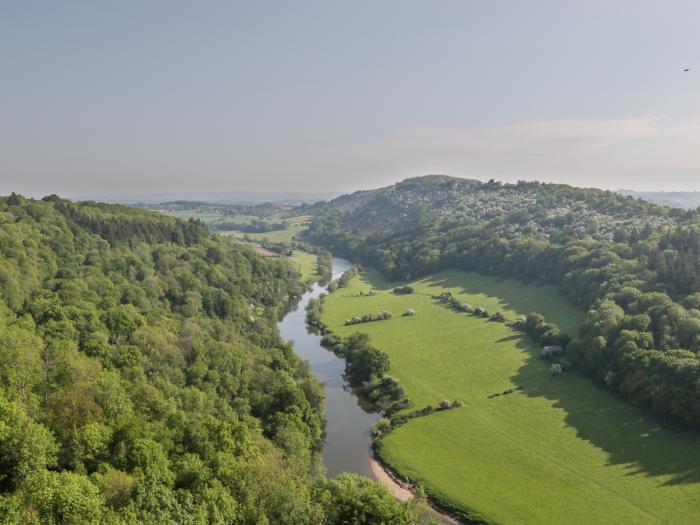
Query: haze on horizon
point(174, 97)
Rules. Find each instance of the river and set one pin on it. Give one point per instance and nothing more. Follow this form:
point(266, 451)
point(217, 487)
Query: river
point(347, 447)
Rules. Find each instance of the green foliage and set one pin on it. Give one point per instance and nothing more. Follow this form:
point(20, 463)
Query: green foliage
point(26, 447)
point(62, 498)
point(142, 377)
point(363, 360)
point(344, 279)
point(358, 501)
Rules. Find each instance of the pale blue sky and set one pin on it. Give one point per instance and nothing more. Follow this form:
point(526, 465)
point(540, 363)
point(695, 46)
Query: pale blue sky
point(129, 97)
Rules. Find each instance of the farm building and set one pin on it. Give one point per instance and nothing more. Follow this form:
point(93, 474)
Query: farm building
point(549, 351)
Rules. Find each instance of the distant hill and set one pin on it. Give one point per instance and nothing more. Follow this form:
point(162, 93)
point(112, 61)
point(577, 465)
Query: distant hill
point(530, 208)
point(688, 200)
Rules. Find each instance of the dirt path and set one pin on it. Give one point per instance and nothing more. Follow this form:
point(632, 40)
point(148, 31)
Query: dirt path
point(401, 492)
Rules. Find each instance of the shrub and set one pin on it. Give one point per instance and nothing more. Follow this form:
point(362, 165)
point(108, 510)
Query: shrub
point(330, 340)
point(445, 404)
point(498, 316)
point(555, 369)
point(410, 312)
point(381, 427)
point(366, 318)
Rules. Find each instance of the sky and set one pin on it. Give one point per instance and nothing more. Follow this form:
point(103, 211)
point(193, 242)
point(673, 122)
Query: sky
point(135, 97)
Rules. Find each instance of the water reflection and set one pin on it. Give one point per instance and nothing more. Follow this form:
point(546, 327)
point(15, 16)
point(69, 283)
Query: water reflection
point(347, 446)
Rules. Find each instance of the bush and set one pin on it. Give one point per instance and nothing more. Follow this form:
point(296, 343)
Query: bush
point(409, 313)
point(445, 404)
point(381, 427)
point(555, 369)
point(329, 340)
point(383, 315)
point(403, 290)
point(498, 316)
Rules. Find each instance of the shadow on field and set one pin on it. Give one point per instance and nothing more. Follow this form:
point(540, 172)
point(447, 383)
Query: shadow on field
point(547, 299)
point(630, 437)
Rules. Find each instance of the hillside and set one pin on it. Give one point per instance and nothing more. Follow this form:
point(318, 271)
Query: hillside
point(143, 379)
point(634, 266)
point(529, 208)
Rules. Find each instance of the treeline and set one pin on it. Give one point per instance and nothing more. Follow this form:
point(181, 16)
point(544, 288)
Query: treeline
point(324, 265)
point(255, 226)
point(143, 380)
point(119, 224)
point(366, 369)
point(641, 337)
point(544, 332)
point(382, 315)
point(344, 279)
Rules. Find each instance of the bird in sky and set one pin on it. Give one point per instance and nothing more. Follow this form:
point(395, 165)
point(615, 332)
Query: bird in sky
point(687, 69)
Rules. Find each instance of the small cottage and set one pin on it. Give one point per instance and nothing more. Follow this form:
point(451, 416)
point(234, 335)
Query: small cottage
point(549, 351)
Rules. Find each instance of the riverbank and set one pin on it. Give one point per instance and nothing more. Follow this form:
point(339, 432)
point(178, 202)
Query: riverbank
point(348, 439)
point(400, 490)
point(403, 491)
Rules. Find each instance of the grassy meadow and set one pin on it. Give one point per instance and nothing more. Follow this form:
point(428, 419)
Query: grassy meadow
point(558, 450)
point(307, 263)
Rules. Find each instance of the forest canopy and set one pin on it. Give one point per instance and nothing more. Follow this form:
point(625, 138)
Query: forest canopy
point(143, 380)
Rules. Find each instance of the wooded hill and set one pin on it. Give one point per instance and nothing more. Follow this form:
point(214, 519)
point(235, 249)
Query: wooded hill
point(633, 265)
point(143, 380)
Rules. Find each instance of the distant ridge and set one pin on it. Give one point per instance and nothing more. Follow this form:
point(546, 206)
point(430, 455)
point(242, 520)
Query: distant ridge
point(678, 199)
point(234, 197)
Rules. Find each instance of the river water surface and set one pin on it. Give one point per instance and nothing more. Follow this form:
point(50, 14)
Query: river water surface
point(347, 447)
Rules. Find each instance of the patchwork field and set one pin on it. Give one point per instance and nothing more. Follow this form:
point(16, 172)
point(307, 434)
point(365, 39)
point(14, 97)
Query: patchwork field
point(558, 450)
point(295, 225)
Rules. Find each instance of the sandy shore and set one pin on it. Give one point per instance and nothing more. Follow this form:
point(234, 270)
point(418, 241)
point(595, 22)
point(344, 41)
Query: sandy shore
point(401, 492)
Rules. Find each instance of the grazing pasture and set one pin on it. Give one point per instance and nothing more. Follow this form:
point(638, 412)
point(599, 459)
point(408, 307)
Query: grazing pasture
point(558, 449)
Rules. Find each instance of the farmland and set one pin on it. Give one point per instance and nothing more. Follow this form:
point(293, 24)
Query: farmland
point(294, 226)
point(556, 449)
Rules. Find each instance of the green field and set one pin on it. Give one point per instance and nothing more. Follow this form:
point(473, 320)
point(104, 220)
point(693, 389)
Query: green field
point(295, 225)
point(307, 263)
point(559, 450)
